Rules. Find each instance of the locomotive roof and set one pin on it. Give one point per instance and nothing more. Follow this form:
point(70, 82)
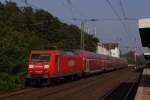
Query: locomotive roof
point(76, 52)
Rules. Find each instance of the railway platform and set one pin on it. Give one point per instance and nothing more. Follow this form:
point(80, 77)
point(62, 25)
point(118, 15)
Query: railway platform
point(143, 91)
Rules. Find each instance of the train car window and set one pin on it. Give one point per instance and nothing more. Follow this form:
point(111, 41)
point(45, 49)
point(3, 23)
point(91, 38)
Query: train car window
point(76, 52)
point(40, 57)
point(70, 53)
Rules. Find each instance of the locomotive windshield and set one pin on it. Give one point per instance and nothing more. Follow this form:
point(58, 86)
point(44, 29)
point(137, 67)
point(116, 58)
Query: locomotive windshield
point(40, 57)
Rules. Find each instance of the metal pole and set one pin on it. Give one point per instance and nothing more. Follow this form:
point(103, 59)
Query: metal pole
point(135, 66)
point(95, 31)
point(82, 35)
point(82, 32)
point(135, 57)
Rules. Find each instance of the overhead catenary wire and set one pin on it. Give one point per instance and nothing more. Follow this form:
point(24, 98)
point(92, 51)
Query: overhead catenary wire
point(120, 19)
point(69, 2)
point(75, 8)
point(82, 20)
point(64, 5)
point(25, 1)
point(106, 19)
point(122, 9)
point(125, 16)
point(117, 15)
point(124, 12)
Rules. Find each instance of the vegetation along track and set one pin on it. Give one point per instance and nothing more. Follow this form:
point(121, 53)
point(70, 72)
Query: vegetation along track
point(76, 88)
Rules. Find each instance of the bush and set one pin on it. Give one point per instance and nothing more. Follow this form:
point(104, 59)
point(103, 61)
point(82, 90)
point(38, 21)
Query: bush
point(32, 29)
point(8, 82)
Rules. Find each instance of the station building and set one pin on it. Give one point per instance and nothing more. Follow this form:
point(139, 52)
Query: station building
point(111, 49)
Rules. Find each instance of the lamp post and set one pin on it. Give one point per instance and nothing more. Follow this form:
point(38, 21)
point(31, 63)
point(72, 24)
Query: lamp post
point(82, 44)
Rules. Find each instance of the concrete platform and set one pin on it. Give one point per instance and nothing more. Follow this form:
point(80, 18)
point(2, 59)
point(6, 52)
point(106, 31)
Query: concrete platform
point(143, 92)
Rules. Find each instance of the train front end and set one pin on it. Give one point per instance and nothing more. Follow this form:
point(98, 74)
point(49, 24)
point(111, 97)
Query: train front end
point(38, 68)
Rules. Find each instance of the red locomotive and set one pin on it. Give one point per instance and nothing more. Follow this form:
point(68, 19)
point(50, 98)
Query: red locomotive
point(47, 66)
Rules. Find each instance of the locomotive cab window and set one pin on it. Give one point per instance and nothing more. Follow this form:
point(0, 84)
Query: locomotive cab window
point(40, 57)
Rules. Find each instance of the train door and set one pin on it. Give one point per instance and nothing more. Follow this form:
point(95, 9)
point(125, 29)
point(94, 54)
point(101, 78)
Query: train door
point(87, 65)
point(58, 64)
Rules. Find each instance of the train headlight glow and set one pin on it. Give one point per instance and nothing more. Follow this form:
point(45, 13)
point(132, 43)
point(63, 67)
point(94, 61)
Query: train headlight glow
point(46, 66)
point(31, 66)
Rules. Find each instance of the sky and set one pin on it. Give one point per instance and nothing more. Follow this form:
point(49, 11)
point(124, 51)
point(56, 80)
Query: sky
point(110, 15)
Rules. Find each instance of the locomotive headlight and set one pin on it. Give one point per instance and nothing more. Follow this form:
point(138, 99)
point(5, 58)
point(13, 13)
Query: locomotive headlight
point(31, 66)
point(46, 66)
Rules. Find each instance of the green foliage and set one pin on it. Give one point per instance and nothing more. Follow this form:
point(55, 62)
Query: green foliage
point(140, 60)
point(23, 29)
point(8, 82)
point(130, 56)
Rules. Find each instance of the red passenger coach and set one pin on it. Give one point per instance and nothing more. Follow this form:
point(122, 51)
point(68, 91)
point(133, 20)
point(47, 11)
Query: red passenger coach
point(46, 66)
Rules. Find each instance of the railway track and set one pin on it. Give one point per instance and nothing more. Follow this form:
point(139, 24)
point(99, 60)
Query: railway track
point(124, 91)
point(80, 86)
point(121, 92)
point(81, 91)
point(69, 93)
point(15, 93)
point(66, 90)
point(47, 91)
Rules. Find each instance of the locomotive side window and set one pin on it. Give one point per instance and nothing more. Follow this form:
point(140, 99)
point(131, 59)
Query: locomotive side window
point(40, 57)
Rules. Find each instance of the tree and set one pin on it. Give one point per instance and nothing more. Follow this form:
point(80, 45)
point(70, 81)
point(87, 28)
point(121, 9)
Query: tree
point(24, 29)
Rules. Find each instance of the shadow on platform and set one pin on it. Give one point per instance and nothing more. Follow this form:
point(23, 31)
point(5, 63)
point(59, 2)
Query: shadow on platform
point(121, 91)
point(145, 81)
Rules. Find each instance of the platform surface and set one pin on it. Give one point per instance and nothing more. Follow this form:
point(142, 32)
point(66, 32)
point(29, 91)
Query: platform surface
point(143, 91)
